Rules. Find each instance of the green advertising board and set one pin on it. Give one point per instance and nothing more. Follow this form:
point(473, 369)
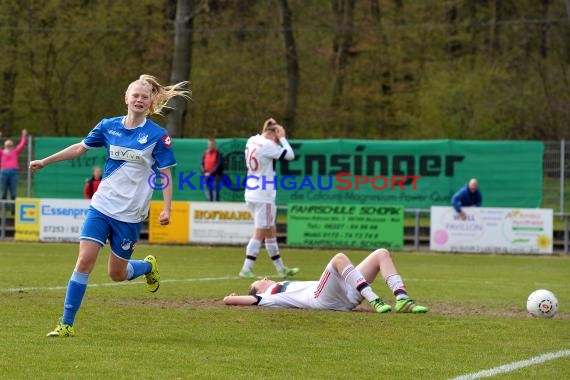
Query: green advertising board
point(416, 174)
point(345, 226)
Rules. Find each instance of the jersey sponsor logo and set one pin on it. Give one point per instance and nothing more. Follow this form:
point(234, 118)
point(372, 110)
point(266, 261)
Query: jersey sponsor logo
point(115, 133)
point(280, 287)
point(125, 154)
point(167, 141)
point(143, 138)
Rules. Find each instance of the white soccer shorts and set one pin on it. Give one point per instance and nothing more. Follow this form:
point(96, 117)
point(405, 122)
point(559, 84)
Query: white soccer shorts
point(263, 214)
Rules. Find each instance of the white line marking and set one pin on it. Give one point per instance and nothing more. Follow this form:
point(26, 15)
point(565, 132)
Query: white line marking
point(514, 366)
point(29, 289)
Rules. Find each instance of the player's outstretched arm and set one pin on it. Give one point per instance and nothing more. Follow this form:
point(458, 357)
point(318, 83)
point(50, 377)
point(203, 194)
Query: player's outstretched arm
point(234, 299)
point(72, 151)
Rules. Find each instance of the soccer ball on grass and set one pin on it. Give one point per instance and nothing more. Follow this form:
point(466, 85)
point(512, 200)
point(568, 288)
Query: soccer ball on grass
point(542, 303)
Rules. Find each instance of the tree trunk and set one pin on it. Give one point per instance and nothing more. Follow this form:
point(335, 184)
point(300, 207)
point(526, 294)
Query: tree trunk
point(8, 79)
point(181, 64)
point(375, 10)
point(344, 17)
point(453, 46)
point(292, 63)
point(543, 45)
point(494, 40)
point(568, 32)
point(473, 30)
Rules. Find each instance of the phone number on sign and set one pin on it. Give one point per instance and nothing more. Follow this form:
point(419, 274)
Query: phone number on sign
point(61, 229)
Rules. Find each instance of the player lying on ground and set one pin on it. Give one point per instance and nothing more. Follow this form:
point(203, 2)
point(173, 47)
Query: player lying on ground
point(341, 287)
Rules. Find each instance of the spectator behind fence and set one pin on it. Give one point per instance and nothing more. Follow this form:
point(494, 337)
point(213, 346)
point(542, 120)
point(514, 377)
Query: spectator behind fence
point(92, 184)
point(9, 166)
point(468, 196)
point(213, 169)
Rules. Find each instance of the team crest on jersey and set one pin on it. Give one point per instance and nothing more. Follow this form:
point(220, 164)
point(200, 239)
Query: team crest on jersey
point(126, 244)
point(143, 138)
point(167, 141)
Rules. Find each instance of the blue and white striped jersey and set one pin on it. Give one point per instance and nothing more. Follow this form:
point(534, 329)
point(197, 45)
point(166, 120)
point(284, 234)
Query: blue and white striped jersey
point(132, 157)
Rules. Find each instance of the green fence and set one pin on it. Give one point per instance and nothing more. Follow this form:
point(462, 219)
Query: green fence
point(509, 173)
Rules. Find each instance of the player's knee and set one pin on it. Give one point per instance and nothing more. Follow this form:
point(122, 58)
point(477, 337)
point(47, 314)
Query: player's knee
point(381, 252)
point(340, 259)
point(84, 265)
point(117, 275)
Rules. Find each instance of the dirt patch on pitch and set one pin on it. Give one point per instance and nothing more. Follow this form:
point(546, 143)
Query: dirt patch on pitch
point(434, 309)
point(448, 309)
point(172, 303)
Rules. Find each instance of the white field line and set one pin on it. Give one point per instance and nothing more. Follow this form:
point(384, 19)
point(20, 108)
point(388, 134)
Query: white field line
point(514, 366)
point(10, 290)
point(30, 289)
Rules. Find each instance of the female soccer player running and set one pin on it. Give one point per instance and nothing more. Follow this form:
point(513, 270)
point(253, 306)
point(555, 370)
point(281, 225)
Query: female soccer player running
point(135, 145)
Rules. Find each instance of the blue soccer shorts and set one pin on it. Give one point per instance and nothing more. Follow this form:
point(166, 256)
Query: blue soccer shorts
point(122, 236)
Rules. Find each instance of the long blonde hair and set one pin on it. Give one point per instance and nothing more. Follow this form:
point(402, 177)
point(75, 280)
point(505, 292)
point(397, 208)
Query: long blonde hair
point(160, 95)
point(270, 125)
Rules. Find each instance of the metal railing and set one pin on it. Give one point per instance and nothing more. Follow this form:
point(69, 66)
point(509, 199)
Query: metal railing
point(7, 205)
point(565, 217)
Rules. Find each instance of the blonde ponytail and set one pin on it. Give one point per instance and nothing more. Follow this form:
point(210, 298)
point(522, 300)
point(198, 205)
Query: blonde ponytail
point(160, 95)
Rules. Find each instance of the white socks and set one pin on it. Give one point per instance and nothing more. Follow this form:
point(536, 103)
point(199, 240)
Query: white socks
point(354, 278)
point(251, 253)
point(396, 285)
point(273, 252)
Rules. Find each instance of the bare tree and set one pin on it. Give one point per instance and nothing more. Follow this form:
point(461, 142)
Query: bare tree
point(8, 71)
point(292, 63)
point(344, 19)
point(181, 64)
point(497, 15)
point(568, 32)
point(375, 10)
point(543, 44)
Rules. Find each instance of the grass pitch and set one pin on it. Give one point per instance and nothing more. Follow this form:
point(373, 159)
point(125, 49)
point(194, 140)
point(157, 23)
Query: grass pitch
point(477, 319)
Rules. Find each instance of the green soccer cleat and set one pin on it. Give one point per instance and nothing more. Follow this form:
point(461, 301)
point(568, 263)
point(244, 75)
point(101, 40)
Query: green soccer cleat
point(380, 306)
point(288, 272)
point(63, 331)
point(152, 277)
point(409, 306)
point(247, 274)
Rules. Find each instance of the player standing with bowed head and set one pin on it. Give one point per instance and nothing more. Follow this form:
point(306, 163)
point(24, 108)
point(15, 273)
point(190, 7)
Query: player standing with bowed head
point(136, 146)
point(261, 152)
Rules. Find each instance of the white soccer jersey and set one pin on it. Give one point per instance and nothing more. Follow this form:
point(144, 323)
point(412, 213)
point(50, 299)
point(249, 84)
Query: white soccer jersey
point(260, 156)
point(132, 157)
point(330, 293)
point(295, 294)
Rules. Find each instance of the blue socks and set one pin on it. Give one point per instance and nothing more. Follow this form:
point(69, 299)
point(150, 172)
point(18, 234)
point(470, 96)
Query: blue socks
point(73, 297)
point(136, 268)
point(78, 284)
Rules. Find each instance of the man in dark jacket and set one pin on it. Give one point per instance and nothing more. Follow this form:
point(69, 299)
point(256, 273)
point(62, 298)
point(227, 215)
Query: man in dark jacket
point(468, 196)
